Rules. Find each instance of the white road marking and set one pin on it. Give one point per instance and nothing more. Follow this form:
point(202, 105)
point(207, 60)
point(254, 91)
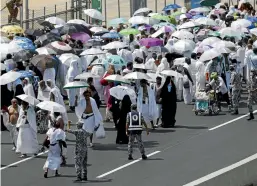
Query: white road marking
point(231, 121)
point(126, 165)
point(21, 161)
point(222, 171)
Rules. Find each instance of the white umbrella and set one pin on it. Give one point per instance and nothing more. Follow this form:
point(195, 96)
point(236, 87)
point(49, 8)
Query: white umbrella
point(9, 77)
point(29, 99)
point(52, 106)
point(163, 30)
point(114, 45)
point(137, 75)
point(142, 10)
point(139, 66)
point(79, 22)
point(117, 78)
point(189, 24)
point(184, 45)
point(93, 51)
point(86, 75)
point(200, 10)
point(94, 14)
point(98, 29)
point(75, 85)
point(45, 50)
point(55, 20)
point(2, 67)
point(7, 48)
point(224, 44)
point(255, 44)
point(254, 31)
point(120, 91)
point(206, 21)
point(230, 32)
point(183, 34)
point(241, 23)
point(61, 46)
point(143, 20)
point(4, 39)
point(68, 58)
point(154, 76)
point(171, 73)
point(181, 61)
point(209, 55)
point(209, 41)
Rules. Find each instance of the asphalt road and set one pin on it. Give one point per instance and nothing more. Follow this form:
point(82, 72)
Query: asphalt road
point(191, 150)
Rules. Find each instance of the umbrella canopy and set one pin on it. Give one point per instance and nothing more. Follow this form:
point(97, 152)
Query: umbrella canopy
point(25, 74)
point(209, 55)
point(117, 21)
point(183, 34)
point(83, 37)
point(60, 47)
point(114, 45)
point(241, 23)
point(120, 91)
point(115, 60)
point(76, 85)
point(139, 66)
point(254, 31)
point(86, 75)
point(51, 106)
point(184, 45)
point(111, 35)
point(92, 51)
point(171, 7)
point(136, 75)
point(23, 55)
point(164, 29)
point(48, 38)
point(46, 24)
point(208, 2)
point(161, 17)
point(29, 99)
point(68, 58)
point(171, 73)
point(129, 31)
point(230, 32)
point(206, 21)
point(150, 42)
point(200, 10)
point(2, 67)
point(209, 41)
point(9, 77)
point(55, 20)
point(137, 20)
point(43, 61)
point(160, 25)
point(71, 28)
point(46, 51)
point(4, 39)
point(94, 14)
point(33, 32)
point(224, 44)
point(189, 24)
point(79, 22)
point(12, 29)
point(8, 49)
point(98, 29)
point(116, 78)
point(23, 45)
point(142, 10)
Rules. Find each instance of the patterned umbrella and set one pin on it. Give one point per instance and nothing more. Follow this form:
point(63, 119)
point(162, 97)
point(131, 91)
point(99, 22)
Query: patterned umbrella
point(23, 55)
point(25, 74)
point(43, 61)
point(60, 47)
point(83, 37)
point(150, 42)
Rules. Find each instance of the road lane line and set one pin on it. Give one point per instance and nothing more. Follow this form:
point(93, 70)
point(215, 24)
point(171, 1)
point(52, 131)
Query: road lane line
point(21, 161)
point(222, 171)
point(231, 121)
point(126, 165)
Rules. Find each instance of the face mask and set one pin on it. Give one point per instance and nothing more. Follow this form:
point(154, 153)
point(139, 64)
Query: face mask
point(169, 88)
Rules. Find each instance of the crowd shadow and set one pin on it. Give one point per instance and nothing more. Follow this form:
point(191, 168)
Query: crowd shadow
point(110, 129)
point(107, 147)
point(162, 130)
point(13, 166)
point(242, 105)
point(190, 127)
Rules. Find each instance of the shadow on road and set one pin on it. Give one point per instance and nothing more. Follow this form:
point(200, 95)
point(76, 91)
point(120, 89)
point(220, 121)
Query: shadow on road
point(10, 166)
point(190, 127)
point(99, 181)
point(103, 147)
point(161, 130)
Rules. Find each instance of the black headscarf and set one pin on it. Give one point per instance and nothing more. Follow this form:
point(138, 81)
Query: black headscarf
point(167, 96)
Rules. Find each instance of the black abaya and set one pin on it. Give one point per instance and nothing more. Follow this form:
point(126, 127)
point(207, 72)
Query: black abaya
point(169, 104)
point(122, 137)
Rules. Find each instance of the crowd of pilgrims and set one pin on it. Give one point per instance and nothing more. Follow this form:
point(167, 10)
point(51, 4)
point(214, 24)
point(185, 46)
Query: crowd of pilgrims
point(156, 98)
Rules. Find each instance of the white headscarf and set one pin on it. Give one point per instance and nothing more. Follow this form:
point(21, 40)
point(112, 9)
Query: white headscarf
point(28, 88)
point(73, 71)
point(163, 66)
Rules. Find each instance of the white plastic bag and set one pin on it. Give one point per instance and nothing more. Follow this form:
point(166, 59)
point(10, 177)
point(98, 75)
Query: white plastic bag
point(100, 133)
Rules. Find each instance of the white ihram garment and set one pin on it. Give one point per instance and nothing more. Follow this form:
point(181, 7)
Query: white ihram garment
point(187, 95)
point(199, 76)
point(27, 138)
point(54, 158)
point(28, 89)
point(49, 73)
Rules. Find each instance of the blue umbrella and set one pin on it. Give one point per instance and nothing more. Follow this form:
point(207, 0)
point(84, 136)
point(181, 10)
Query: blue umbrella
point(114, 60)
point(111, 35)
point(171, 7)
point(197, 16)
point(26, 46)
point(117, 21)
point(22, 39)
point(25, 74)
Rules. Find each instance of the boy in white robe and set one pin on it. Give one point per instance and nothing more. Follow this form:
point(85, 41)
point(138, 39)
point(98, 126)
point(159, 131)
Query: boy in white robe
point(27, 138)
point(146, 103)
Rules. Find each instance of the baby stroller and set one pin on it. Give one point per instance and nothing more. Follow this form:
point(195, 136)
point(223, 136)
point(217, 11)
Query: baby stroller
point(206, 103)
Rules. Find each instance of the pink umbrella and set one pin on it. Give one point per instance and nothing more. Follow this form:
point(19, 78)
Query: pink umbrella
point(150, 42)
point(83, 37)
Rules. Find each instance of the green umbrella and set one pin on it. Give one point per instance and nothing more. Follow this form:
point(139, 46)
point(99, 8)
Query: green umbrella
point(177, 13)
point(161, 17)
point(215, 34)
point(129, 31)
point(209, 2)
point(75, 85)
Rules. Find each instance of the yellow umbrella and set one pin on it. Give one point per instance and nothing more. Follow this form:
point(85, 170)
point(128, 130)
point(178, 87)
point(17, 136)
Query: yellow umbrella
point(12, 29)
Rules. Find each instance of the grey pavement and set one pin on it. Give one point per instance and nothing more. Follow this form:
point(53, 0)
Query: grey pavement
point(188, 152)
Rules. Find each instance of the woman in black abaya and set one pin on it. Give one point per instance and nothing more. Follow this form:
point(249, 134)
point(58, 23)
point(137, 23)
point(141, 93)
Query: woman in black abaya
point(122, 138)
point(169, 103)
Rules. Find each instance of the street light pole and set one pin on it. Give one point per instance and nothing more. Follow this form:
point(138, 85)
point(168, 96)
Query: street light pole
point(27, 13)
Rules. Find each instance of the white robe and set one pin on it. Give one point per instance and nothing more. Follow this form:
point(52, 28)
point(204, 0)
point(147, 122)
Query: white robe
point(99, 71)
point(49, 73)
point(43, 95)
point(187, 95)
point(199, 76)
point(27, 138)
point(28, 89)
point(91, 122)
point(149, 111)
point(71, 74)
point(163, 66)
point(54, 158)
